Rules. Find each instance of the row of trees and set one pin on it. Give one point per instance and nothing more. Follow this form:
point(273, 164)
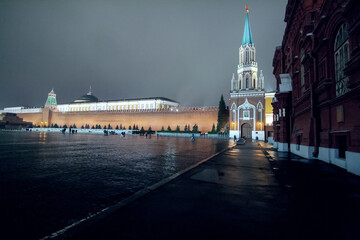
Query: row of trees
point(186, 128)
point(98, 126)
point(194, 129)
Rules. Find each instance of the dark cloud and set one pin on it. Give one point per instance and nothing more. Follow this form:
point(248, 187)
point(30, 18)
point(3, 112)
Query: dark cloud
point(185, 50)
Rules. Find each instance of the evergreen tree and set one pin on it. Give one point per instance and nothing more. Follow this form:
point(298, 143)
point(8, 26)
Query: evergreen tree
point(222, 114)
point(195, 128)
point(92, 127)
point(117, 127)
point(109, 126)
point(104, 126)
point(188, 128)
point(74, 126)
point(162, 128)
point(137, 127)
point(56, 126)
point(149, 130)
point(82, 126)
point(65, 126)
point(169, 128)
point(178, 128)
point(121, 126)
point(129, 127)
point(52, 125)
point(185, 128)
point(134, 127)
point(142, 129)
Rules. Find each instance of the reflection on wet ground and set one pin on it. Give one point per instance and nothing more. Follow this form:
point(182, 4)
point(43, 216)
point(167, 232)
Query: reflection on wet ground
point(325, 198)
point(50, 180)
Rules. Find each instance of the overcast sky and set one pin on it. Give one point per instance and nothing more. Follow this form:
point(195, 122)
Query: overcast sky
point(185, 50)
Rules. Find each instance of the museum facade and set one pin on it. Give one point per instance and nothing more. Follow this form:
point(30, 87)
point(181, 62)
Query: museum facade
point(317, 68)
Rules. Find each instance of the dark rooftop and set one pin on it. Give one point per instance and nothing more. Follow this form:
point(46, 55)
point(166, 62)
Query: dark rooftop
point(90, 98)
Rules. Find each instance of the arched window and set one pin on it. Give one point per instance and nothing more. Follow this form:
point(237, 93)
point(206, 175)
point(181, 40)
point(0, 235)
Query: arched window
point(247, 81)
point(234, 115)
point(341, 55)
point(240, 82)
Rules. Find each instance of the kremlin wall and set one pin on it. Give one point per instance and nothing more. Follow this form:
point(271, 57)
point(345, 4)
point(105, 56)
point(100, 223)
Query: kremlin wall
point(156, 118)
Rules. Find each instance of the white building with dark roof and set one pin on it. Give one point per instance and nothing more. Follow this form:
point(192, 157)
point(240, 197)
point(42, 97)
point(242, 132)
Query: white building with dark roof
point(89, 102)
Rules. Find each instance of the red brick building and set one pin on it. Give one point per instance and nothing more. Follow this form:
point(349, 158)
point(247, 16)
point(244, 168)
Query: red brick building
point(317, 68)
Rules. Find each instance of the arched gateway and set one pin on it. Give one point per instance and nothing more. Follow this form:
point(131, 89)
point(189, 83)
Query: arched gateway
point(246, 130)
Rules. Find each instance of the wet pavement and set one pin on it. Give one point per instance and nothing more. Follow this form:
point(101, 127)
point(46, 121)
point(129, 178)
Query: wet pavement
point(248, 192)
point(49, 180)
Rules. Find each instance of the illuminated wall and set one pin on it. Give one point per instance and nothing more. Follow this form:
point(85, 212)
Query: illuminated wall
point(203, 117)
point(269, 108)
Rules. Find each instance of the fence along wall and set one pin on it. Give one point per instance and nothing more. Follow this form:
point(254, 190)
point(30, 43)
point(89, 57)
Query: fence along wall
point(203, 117)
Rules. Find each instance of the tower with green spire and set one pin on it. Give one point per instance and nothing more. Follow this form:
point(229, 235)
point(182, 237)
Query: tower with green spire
point(247, 96)
point(51, 100)
point(247, 69)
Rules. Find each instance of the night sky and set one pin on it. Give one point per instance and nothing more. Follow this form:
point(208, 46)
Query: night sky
point(185, 50)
